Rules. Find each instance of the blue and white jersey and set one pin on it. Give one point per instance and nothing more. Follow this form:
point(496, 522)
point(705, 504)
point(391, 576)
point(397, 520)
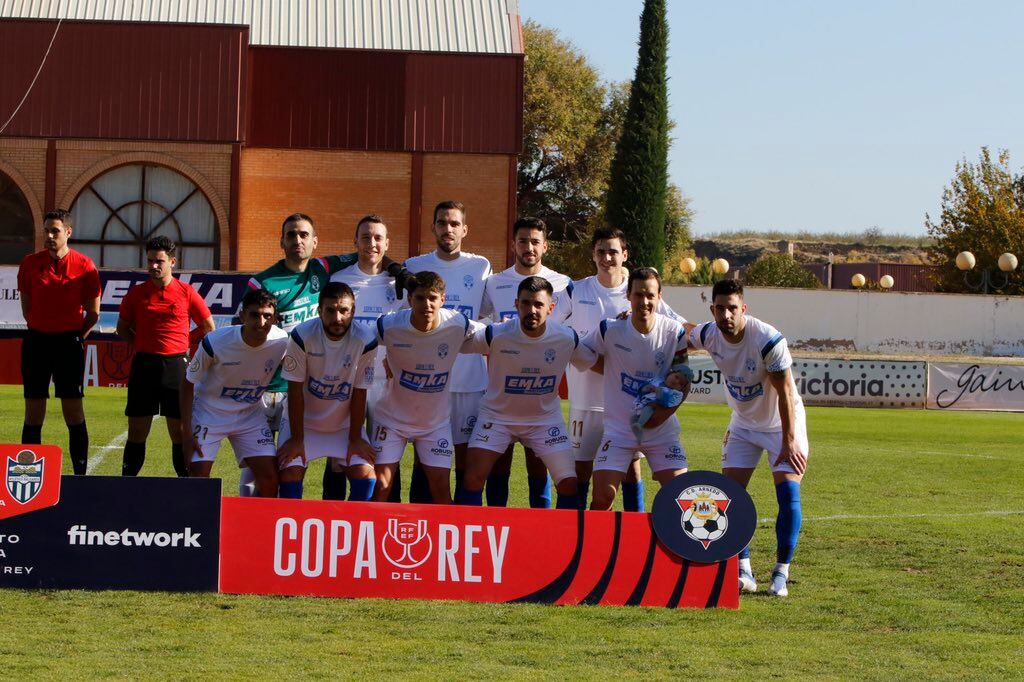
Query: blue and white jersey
point(590, 303)
point(745, 367)
point(501, 288)
point(329, 370)
point(524, 372)
point(632, 360)
point(230, 376)
point(464, 280)
point(416, 399)
point(375, 296)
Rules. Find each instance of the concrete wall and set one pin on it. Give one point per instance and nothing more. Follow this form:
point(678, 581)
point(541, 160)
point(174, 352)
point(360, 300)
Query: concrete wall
point(852, 321)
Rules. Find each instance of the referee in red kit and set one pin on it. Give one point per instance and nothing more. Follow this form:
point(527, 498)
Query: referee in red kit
point(60, 299)
point(154, 318)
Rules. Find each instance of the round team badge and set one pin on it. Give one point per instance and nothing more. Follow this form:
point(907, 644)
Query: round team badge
point(704, 516)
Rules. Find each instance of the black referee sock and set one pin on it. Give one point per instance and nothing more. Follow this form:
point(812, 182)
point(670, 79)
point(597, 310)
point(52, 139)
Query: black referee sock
point(335, 482)
point(178, 460)
point(134, 456)
point(78, 437)
point(32, 435)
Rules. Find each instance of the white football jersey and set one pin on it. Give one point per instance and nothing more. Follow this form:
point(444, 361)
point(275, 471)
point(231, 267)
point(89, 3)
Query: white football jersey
point(590, 303)
point(631, 359)
point(375, 296)
point(500, 294)
point(329, 370)
point(524, 372)
point(416, 398)
point(745, 366)
point(230, 376)
point(464, 292)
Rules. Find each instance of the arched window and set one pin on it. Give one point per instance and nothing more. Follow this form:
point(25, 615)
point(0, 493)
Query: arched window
point(16, 229)
point(119, 211)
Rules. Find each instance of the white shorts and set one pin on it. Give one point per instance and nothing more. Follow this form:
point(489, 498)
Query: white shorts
point(434, 447)
point(465, 407)
point(662, 448)
point(373, 396)
point(585, 429)
point(743, 447)
point(274, 406)
point(317, 444)
point(548, 441)
point(249, 435)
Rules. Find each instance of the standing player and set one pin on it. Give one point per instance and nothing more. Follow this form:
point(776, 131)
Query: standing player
point(528, 358)
point(644, 346)
point(328, 367)
point(226, 378)
point(767, 414)
point(423, 343)
point(154, 319)
point(58, 286)
point(296, 280)
point(594, 299)
point(464, 273)
point(375, 295)
point(529, 244)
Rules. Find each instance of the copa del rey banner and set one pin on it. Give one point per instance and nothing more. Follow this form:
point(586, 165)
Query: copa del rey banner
point(345, 549)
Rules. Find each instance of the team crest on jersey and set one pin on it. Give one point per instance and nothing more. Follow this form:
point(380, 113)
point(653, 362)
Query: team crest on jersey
point(348, 361)
point(549, 355)
point(750, 364)
point(24, 476)
point(290, 363)
point(442, 350)
point(467, 281)
point(659, 358)
point(314, 283)
point(407, 544)
point(389, 295)
point(269, 366)
point(704, 513)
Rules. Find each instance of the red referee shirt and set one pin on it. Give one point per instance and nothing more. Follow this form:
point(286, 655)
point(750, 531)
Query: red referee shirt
point(58, 290)
point(160, 315)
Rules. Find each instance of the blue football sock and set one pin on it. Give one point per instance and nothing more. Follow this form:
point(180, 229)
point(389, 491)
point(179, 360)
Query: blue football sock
point(787, 525)
point(469, 498)
point(568, 502)
point(583, 493)
point(290, 489)
point(745, 553)
point(540, 492)
point(419, 489)
point(633, 496)
point(361, 489)
point(497, 489)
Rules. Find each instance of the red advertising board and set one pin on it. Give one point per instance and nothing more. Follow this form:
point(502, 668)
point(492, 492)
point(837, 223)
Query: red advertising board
point(360, 549)
point(30, 477)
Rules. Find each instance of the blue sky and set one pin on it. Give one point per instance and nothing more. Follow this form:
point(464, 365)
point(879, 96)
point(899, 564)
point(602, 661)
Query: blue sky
point(823, 115)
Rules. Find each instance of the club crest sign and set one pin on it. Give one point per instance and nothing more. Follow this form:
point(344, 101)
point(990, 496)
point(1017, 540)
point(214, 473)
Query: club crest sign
point(31, 478)
point(704, 516)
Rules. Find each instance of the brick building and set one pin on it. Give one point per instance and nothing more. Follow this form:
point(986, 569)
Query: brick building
point(210, 122)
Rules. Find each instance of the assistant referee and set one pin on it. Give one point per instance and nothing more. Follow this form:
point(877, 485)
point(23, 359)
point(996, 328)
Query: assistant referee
point(154, 318)
point(60, 299)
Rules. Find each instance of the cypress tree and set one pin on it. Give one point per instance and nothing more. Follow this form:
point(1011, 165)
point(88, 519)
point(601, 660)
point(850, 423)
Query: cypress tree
point(639, 172)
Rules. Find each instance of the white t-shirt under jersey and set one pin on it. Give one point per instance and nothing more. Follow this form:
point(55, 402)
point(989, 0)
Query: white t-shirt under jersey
point(416, 399)
point(745, 366)
point(230, 376)
point(375, 296)
point(590, 303)
point(464, 280)
point(632, 359)
point(524, 372)
point(500, 294)
point(329, 370)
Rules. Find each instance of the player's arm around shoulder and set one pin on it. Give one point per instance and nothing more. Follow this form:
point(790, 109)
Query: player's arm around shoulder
point(294, 370)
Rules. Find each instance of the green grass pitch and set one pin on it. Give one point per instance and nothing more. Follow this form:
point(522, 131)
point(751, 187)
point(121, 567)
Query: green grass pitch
point(910, 566)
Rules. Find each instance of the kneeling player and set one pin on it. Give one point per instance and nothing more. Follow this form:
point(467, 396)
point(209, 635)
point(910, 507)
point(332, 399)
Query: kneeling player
point(328, 366)
point(220, 397)
point(422, 343)
point(767, 414)
point(643, 347)
point(528, 357)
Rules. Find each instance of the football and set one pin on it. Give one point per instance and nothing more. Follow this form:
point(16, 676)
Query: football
point(704, 530)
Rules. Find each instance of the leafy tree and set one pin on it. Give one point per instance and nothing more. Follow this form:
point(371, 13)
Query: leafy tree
point(639, 172)
point(779, 270)
point(982, 212)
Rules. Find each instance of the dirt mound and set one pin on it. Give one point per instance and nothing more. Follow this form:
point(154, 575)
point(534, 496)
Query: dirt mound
point(744, 251)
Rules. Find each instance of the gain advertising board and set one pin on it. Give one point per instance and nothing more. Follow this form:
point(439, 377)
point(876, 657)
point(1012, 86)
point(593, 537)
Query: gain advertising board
point(953, 386)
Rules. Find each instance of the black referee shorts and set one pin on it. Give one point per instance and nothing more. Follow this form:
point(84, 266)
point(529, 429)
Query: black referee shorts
point(60, 357)
point(153, 385)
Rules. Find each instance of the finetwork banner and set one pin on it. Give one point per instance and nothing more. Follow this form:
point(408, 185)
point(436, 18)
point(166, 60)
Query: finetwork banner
point(959, 386)
point(362, 549)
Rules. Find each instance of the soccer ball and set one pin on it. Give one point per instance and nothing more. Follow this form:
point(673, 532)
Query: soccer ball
point(704, 530)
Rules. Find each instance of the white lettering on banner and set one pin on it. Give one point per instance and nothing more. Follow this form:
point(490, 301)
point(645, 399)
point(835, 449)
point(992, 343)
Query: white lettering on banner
point(92, 366)
point(114, 290)
point(975, 387)
point(220, 294)
point(311, 549)
point(81, 535)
